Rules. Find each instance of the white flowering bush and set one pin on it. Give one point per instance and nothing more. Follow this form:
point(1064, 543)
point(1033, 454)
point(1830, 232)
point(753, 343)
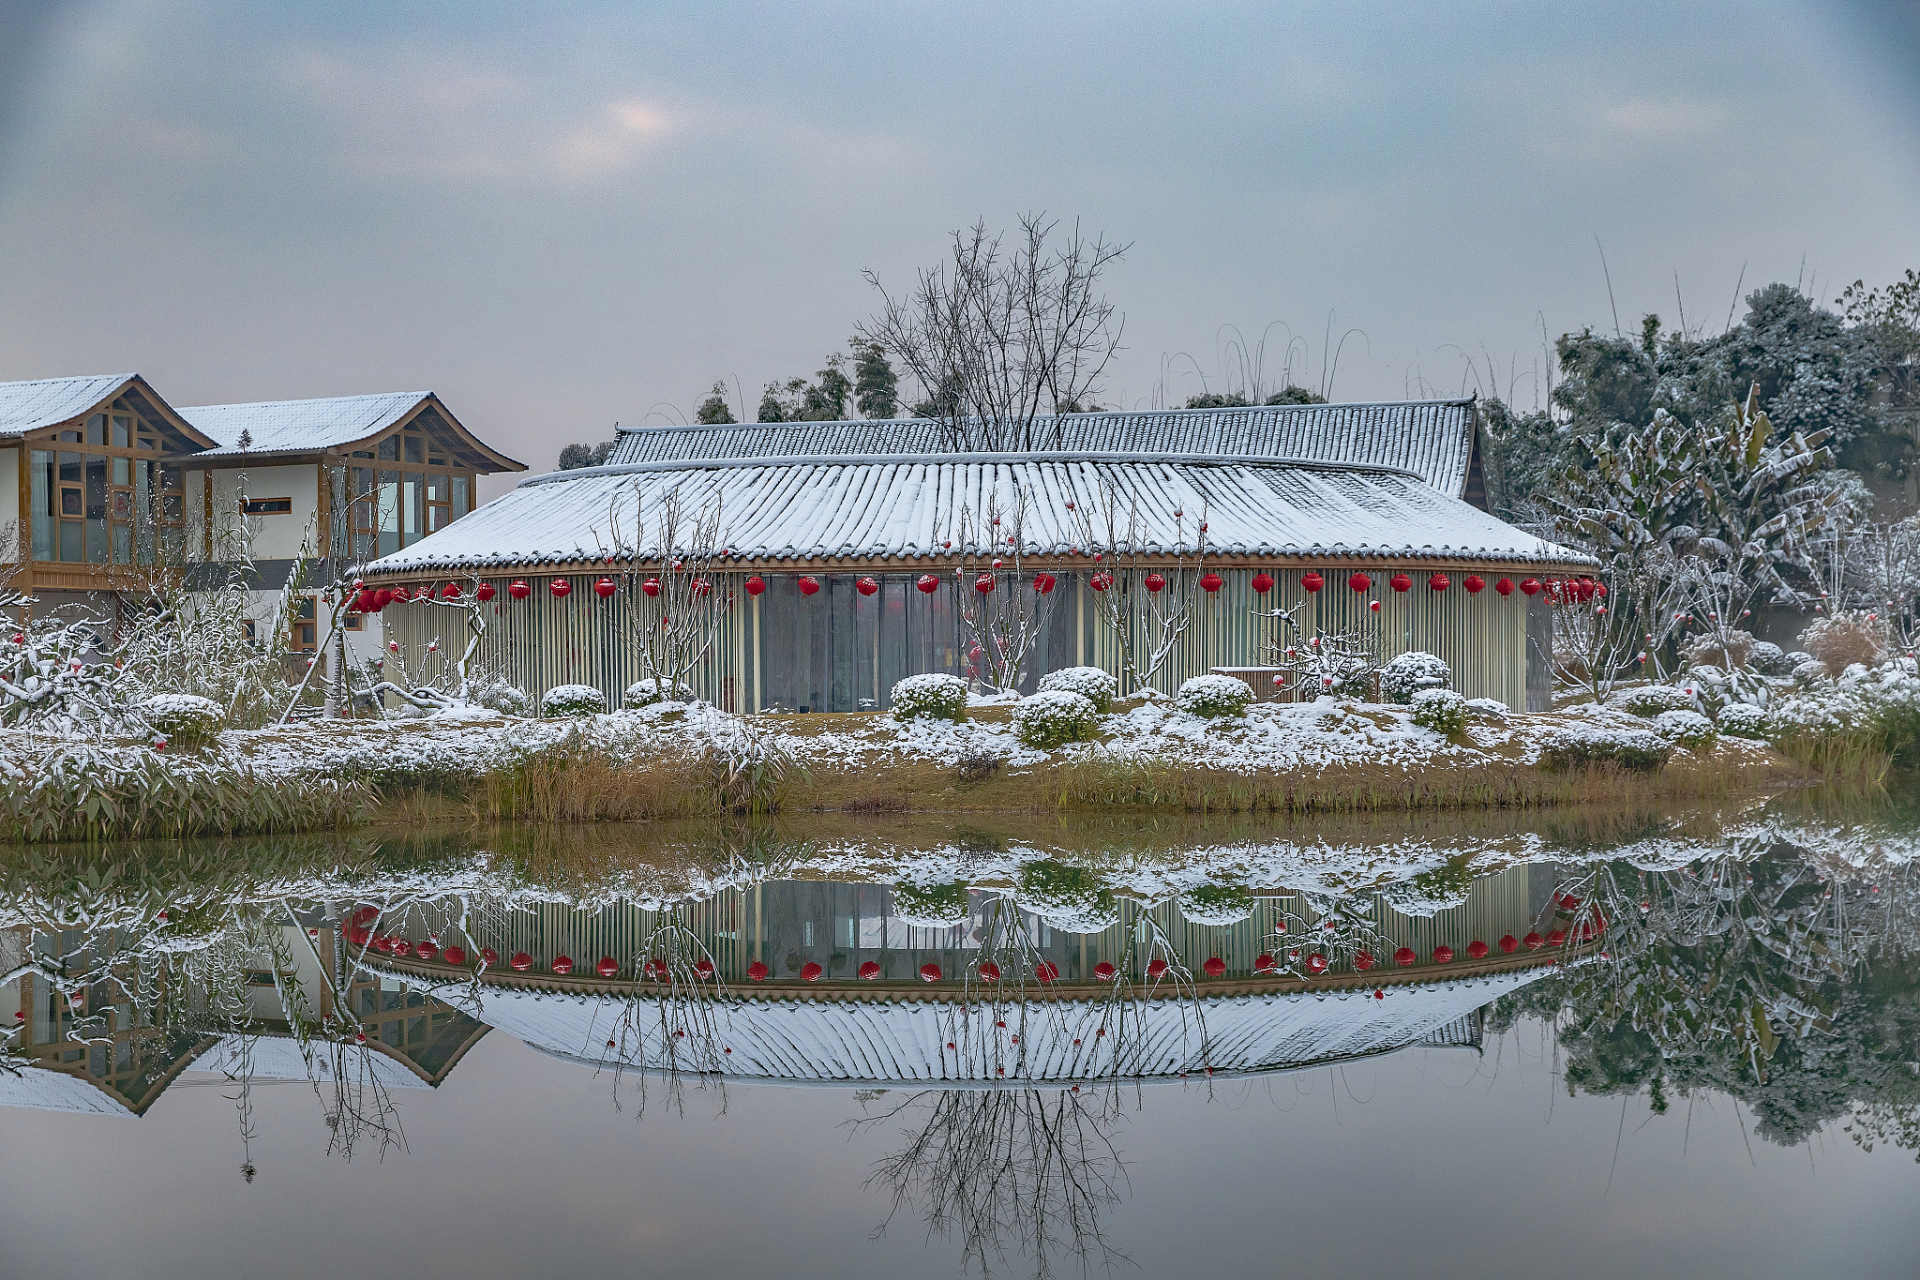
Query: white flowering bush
point(1049, 720)
point(1214, 696)
point(183, 719)
point(1688, 729)
point(572, 700)
point(1651, 700)
point(938, 695)
point(1411, 672)
point(646, 692)
point(1636, 750)
point(1742, 720)
point(1441, 710)
point(1091, 683)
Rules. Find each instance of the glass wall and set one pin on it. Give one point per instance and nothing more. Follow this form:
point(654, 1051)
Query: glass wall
point(102, 495)
point(407, 488)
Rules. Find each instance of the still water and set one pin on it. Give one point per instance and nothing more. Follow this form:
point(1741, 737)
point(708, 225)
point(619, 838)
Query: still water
point(1680, 1044)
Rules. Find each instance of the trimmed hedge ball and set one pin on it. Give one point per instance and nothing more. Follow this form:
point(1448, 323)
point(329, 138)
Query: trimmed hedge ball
point(1653, 699)
point(572, 700)
point(933, 906)
point(1409, 673)
point(1742, 720)
point(937, 695)
point(1214, 697)
point(1636, 750)
point(1091, 683)
point(1216, 904)
point(1441, 710)
point(1689, 729)
point(644, 693)
point(183, 719)
point(1049, 720)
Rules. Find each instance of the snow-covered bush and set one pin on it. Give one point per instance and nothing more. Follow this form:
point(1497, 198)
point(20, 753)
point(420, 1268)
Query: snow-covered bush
point(932, 906)
point(572, 700)
point(1441, 710)
point(1411, 672)
point(1071, 899)
point(936, 694)
point(1637, 750)
point(1715, 687)
point(1049, 720)
point(1214, 696)
point(644, 693)
point(1488, 708)
point(1651, 700)
point(1216, 904)
point(1742, 720)
point(1686, 728)
point(1769, 659)
point(1091, 683)
point(1846, 638)
point(1809, 670)
point(183, 719)
point(498, 695)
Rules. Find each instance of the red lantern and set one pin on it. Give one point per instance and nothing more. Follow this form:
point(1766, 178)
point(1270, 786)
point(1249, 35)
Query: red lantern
point(866, 586)
point(1262, 584)
point(604, 588)
point(1534, 941)
point(929, 972)
point(650, 588)
point(1363, 960)
point(703, 968)
point(1477, 950)
point(1530, 587)
point(607, 967)
point(983, 583)
point(490, 957)
point(1557, 938)
point(870, 970)
point(561, 587)
point(454, 955)
point(1474, 584)
point(426, 951)
point(1154, 582)
point(1443, 954)
point(1214, 966)
point(1156, 967)
point(810, 972)
point(1360, 582)
point(1312, 581)
point(484, 592)
point(809, 585)
point(700, 587)
point(989, 971)
point(927, 583)
point(1210, 582)
point(1404, 956)
point(1265, 963)
point(521, 962)
point(1044, 583)
point(756, 585)
point(1101, 581)
point(451, 591)
point(382, 598)
point(1046, 971)
point(562, 965)
point(518, 589)
point(1401, 582)
point(757, 971)
point(1438, 582)
point(1103, 971)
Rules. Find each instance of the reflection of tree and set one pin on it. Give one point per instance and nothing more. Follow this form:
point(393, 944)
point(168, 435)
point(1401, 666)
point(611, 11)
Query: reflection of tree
point(1023, 1169)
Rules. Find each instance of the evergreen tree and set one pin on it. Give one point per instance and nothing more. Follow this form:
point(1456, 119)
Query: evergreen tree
point(876, 387)
point(575, 456)
point(713, 411)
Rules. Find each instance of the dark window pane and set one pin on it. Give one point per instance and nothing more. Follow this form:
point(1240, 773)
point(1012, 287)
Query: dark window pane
point(70, 536)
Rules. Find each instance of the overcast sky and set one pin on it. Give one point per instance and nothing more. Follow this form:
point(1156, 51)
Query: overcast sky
point(559, 216)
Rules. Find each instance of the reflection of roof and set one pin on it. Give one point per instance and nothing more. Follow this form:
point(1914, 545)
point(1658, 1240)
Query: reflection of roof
point(1431, 438)
point(278, 1058)
point(48, 1090)
point(878, 1042)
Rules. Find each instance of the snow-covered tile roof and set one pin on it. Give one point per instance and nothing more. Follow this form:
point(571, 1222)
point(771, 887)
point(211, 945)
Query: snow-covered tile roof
point(298, 426)
point(46, 1089)
point(46, 402)
point(1431, 438)
point(818, 508)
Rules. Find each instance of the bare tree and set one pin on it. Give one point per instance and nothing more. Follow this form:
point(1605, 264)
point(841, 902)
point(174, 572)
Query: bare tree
point(1145, 603)
point(675, 606)
point(999, 336)
point(1001, 611)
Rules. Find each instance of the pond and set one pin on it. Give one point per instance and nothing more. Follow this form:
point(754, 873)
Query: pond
point(1687, 1043)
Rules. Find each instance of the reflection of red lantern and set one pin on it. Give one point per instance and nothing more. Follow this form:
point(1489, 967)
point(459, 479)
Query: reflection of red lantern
point(1214, 966)
point(1316, 963)
point(1262, 584)
point(1363, 960)
point(1477, 950)
point(870, 970)
point(521, 962)
point(866, 586)
point(929, 972)
point(983, 583)
point(1312, 581)
point(518, 589)
point(562, 965)
point(809, 585)
point(1504, 586)
point(1534, 941)
point(1360, 582)
point(484, 592)
point(1101, 581)
point(1438, 582)
point(1156, 967)
point(1557, 938)
point(1044, 583)
point(489, 956)
point(561, 587)
point(426, 951)
point(927, 583)
point(604, 588)
point(1509, 943)
point(1265, 963)
point(757, 971)
point(1210, 582)
point(1046, 971)
point(454, 955)
point(1404, 956)
point(1474, 584)
point(703, 968)
point(989, 971)
point(810, 972)
point(1103, 971)
point(1443, 954)
point(756, 585)
point(1400, 582)
point(1530, 587)
point(1154, 582)
point(607, 967)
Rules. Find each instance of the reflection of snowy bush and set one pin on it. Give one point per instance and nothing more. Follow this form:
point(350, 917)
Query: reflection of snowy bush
point(644, 693)
point(1742, 720)
point(573, 700)
point(1441, 710)
point(183, 719)
point(1071, 899)
point(1216, 904)
point(1430, 892)
point(1214, 696)
point(940, 696)
point(1686, 728)
point(1091, 683)
point(1049, 720)
point(933, 906)
point(1652, 699)
point(1637, 750)
point(1411, 672)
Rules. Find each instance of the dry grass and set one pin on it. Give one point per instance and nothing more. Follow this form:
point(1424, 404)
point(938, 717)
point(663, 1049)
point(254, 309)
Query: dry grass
point(577, 784)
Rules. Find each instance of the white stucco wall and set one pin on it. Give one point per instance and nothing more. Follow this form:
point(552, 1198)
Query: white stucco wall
point(277, 537)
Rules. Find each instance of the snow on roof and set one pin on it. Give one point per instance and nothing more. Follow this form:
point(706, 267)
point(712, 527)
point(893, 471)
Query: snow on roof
point(300, 426)
point(47, 402)
point(812, 508)
point(878, 1041)
point(1431, 438)
point(278, 1058)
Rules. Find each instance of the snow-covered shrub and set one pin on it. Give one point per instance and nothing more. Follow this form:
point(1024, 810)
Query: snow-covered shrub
point(1411, 672)
point(1809, 671)
point(572, 700)
point(1441, 710)
point(1216, 904)
point(1769, 659)
point(936, 694)
point(1686, 728)
point(1846, 638)
point(1488, 708)
point(1637, 750)
point(183, 719)
point(1651, 700)
point(1715, 687)
point(1071, 899)
point(1214, 696)
point(646, 692)
point(497, 695)
point(1728, 652)
point(1091, 683)
point(1049, 720)
point(931, 906)
point(1742, 720)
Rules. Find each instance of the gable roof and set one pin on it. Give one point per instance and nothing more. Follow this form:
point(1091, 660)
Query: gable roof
point(333, 422)
point(50, 402)
point(1431, 438)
